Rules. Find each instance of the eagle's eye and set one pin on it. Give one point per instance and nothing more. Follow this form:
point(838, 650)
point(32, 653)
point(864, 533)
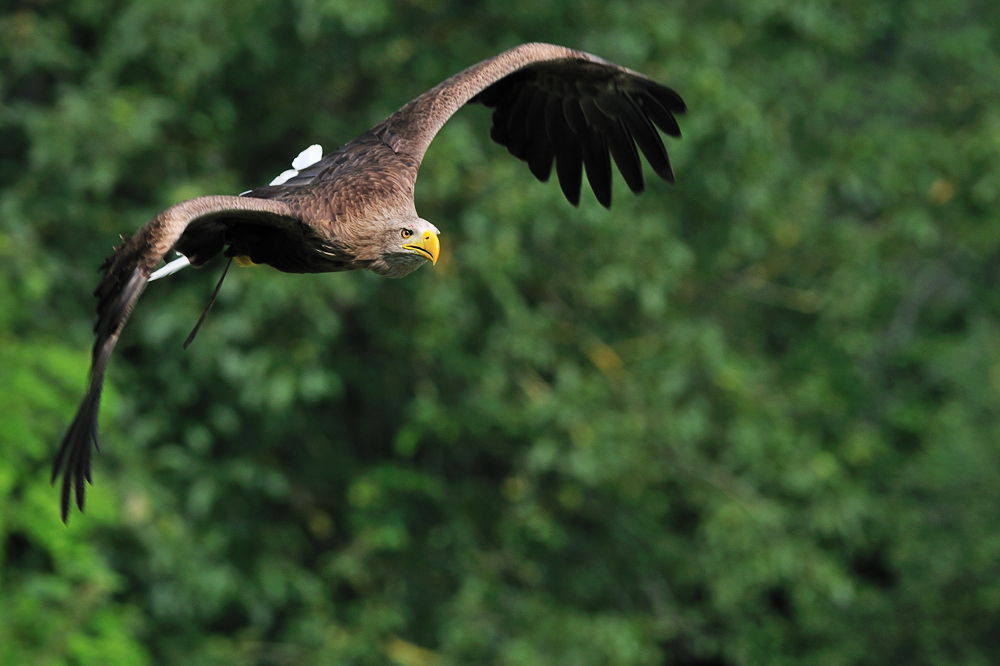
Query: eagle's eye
point(406, 233)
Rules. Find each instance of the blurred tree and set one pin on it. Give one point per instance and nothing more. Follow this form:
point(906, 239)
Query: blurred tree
point(749, 419)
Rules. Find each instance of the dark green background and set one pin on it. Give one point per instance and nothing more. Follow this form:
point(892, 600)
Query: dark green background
point(748, 419)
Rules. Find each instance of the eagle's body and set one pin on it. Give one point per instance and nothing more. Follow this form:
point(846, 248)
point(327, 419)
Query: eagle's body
point(353, 209)
point(359, 187)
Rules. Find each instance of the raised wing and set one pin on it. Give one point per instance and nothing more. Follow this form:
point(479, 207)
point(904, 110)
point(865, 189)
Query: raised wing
point(126, 273)
point(553, 104)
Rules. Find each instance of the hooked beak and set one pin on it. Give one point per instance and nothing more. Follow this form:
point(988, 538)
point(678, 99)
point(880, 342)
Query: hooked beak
point(428, 247)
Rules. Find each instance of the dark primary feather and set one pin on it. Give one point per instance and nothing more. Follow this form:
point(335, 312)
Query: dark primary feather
point(598, 162)
point(645, 135)
point(619, 142)
point(591, 111)
point(569, 160)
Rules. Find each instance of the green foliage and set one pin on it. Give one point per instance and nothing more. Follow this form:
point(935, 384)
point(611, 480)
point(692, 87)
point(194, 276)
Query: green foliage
point(751, 418)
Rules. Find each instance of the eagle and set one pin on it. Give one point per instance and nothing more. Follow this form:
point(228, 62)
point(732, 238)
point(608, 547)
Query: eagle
point(353, 209)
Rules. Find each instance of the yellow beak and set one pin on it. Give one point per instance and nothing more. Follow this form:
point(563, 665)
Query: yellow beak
point(429, 246)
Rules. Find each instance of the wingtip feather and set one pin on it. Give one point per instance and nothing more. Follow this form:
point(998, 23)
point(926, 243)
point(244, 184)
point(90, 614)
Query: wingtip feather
point(72, 462)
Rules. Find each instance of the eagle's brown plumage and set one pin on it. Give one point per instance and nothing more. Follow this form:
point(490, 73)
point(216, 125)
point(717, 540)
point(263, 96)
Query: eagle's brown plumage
point(354, 208)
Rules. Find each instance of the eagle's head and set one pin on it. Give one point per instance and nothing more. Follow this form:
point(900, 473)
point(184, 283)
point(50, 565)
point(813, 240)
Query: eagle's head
point(405, 246)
